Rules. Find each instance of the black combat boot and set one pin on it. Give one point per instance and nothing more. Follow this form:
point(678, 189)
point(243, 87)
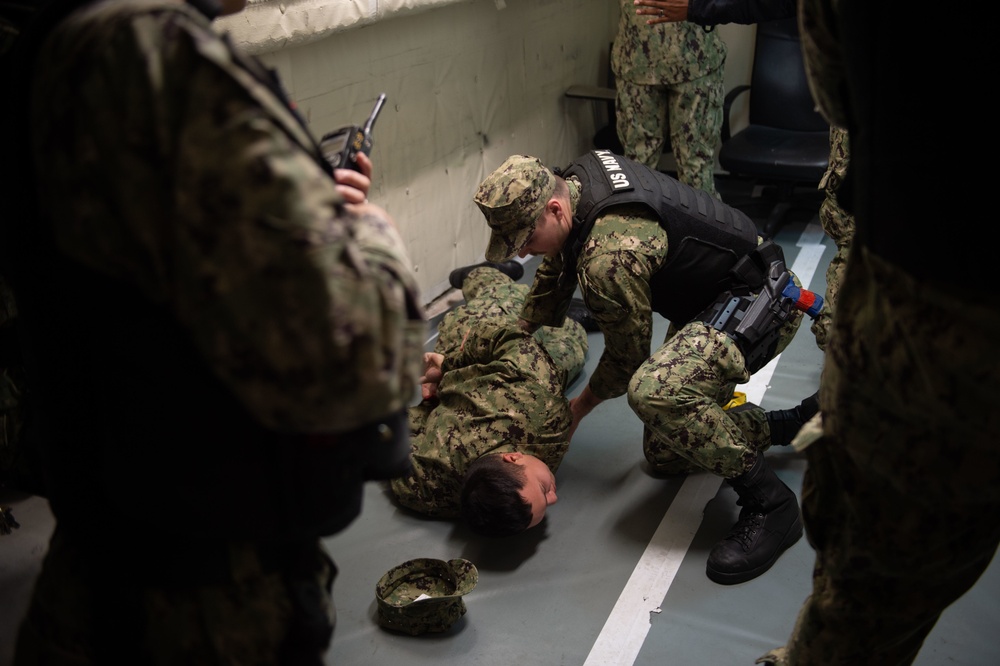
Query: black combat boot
point(769, 523)
point(786, 423)
point(511, 268)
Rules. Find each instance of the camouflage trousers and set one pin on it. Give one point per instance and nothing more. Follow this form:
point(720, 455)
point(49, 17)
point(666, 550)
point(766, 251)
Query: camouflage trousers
point(87, 611)
point(493, 296)
point(690, 114)
point(901, 495)
point(839, 226)
point(679, 394)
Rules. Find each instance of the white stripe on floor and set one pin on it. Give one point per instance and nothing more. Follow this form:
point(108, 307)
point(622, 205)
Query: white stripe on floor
point(625, 629)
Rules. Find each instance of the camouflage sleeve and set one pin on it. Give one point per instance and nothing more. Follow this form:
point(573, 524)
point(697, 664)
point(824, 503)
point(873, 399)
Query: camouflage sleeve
point(744, 12)
point(616, 286)
point(487, 342)
point(433, 487)
point(546, 303)
point(173, 168)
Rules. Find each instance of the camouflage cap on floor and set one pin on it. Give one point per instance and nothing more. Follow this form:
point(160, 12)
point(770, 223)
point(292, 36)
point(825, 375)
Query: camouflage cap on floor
point(424, 594)
point(512, 198)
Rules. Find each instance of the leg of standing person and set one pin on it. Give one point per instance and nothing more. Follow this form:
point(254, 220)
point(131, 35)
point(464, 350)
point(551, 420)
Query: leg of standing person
point(839, 226)
point(642, 121)
point(912, 534)
point(694, 110)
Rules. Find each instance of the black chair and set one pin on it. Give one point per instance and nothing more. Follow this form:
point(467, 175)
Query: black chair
point(787, 142)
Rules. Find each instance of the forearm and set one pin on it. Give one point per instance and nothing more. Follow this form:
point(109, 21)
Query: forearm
point(715, 12)
point(584, 403)
point(743, 12)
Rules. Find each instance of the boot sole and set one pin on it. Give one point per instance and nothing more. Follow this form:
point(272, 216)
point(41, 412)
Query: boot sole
point(732, 578)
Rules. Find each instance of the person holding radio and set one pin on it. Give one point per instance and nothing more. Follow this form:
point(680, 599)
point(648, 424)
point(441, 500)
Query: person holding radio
point(224, 339)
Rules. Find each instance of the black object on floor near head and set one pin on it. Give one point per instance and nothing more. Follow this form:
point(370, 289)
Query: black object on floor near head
point(511, 268)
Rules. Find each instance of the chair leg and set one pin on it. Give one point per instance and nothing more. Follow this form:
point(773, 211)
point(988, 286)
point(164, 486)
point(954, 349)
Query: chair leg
point(776, 218)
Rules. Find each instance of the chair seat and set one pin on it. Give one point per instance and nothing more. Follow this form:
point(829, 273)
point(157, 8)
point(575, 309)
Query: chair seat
point(776, 153)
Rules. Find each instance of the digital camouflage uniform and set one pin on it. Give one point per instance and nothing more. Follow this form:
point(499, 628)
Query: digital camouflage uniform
point(502, 391)
point(679, 391)
point(216, 260)
point(669, 82)
point(838, 225)
point(901, 494)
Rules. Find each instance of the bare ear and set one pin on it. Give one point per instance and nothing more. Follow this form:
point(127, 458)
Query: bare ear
point(512, 457)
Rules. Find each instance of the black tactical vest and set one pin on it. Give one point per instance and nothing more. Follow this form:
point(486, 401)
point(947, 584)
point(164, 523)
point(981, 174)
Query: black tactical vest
point(705, 237)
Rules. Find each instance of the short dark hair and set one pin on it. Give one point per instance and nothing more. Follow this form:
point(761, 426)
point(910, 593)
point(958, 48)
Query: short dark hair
point(491, 497)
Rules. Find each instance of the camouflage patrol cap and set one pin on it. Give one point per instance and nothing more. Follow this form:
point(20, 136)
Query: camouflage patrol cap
point(512, 198)
point(424, 594)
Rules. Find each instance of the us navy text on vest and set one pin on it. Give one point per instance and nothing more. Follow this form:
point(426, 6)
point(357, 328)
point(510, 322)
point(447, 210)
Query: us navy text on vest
point(616, 176)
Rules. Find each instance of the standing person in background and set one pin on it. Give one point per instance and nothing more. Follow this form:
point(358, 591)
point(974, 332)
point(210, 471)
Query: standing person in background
point(904, 481)
point(902, 492)
point(223, 337)
point(669, 82)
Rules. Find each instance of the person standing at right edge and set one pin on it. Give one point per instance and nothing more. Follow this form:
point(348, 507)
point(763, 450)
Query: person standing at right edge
point(669, 83)
point(902, 491)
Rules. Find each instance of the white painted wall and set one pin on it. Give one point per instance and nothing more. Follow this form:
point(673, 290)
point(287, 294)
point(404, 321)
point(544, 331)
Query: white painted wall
point(467, 82)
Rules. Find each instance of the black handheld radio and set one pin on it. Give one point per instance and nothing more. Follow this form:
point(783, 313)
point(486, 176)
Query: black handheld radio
point(340, 147)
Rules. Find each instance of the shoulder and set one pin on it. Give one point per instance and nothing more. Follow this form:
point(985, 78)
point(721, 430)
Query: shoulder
point(130, 36)
point(99, 18)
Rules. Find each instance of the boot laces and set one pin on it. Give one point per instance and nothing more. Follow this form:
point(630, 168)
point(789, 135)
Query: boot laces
point(746, 528)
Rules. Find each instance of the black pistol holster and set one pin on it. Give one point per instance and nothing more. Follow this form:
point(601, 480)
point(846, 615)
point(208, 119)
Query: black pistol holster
point(753, 310)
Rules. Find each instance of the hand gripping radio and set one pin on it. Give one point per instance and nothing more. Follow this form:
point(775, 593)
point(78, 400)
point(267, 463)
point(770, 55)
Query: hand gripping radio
point(341, 147)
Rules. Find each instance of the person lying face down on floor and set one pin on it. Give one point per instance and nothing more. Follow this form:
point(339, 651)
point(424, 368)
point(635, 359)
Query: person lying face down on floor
point(493, 423)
